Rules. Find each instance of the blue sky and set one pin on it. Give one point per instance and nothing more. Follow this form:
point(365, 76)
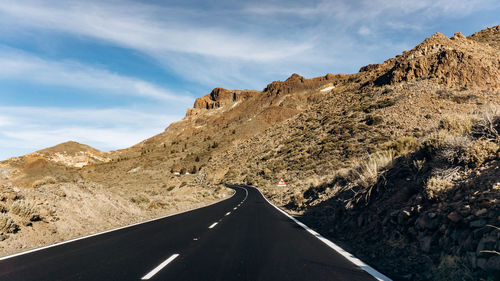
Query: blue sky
point(112, 73)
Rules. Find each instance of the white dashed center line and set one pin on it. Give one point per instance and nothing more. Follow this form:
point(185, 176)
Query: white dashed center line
point(158, 268)
point(227, 214)
point(213, 224)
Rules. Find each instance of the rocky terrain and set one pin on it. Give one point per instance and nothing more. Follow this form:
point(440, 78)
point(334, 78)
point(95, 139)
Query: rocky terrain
point(398, 163)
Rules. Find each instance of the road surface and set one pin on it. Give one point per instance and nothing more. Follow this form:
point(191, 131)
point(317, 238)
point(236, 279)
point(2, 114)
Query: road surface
point(241, 238)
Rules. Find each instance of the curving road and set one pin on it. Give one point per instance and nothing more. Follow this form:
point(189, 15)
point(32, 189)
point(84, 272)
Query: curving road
point(241, 238)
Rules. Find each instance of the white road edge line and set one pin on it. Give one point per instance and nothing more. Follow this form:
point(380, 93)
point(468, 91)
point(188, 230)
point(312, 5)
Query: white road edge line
point(370, 270)
point(107, 231)
point(213, 224)
point(160, 267)
point(227, 214)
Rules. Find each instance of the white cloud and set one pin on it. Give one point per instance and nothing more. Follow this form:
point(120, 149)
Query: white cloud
point(4, 121)
point(22, 66)
point(34, 128)
point(136, 27)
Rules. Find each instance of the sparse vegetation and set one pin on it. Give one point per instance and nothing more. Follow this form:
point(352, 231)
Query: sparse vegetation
point(438, 187)
point(44, 181)
point(26, 210)
point(366, 172)
point(140, 198)
point(7, 224)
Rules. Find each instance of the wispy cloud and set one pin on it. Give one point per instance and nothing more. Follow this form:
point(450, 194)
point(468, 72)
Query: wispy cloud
point(22, 66)
point(137, 27)
point(169, 36)
point(31, 128)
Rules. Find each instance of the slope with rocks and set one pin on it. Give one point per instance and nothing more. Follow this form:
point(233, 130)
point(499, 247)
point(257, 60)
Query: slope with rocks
point(403, 156)
point(490, 36)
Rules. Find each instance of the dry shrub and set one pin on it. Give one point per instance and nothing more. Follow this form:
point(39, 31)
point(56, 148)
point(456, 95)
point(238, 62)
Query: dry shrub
point(457, 124)
point(140, 198)
point(7, 224)
point(488, 123)
point(298, 199)
point(437, 187)
point(481, 151)
point(462, 150)
point(402, 145)
point(3, 208)
point(45, 180)
point(434, 141)
point(249, 180)
point(26, 210)
point(454, 150)
point(157, 204)
point(368, 170)
point(418, 165)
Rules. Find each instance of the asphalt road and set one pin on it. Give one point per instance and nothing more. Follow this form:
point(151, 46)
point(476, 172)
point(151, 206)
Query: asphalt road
point(241, 238)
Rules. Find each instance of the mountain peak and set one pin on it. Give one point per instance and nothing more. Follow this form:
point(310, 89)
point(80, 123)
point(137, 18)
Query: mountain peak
point(69, 147)
point(295, 76)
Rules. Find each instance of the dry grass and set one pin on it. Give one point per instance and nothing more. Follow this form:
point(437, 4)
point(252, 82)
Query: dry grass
point(140, 198)
point(366, 173)
point(26, 210)
point(157, 204)
point(457, 124)
point(7, 224)
point(488, 124)
point(3, 208)
point(463, 150)
point(44, 181)
point(437, 187)
point(403, 145)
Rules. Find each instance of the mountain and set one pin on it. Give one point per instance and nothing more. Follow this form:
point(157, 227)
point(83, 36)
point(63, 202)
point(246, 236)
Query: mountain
point(490, 36)
point(398, 163)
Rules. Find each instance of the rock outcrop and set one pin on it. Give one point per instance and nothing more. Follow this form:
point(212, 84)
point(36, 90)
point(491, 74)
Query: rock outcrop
point(219, 97)
point(490, 36)
point(455, 61)
point(297, 83)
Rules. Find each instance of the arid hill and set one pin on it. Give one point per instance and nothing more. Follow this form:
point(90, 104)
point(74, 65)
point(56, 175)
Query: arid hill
point(403, 156)
point(398, 162)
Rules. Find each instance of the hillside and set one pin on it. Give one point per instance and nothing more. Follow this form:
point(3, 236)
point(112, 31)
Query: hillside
point(398, 163)
point(390, 157)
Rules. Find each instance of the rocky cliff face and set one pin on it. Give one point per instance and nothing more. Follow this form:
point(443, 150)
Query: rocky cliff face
point(220, 97)
point(297, 83)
